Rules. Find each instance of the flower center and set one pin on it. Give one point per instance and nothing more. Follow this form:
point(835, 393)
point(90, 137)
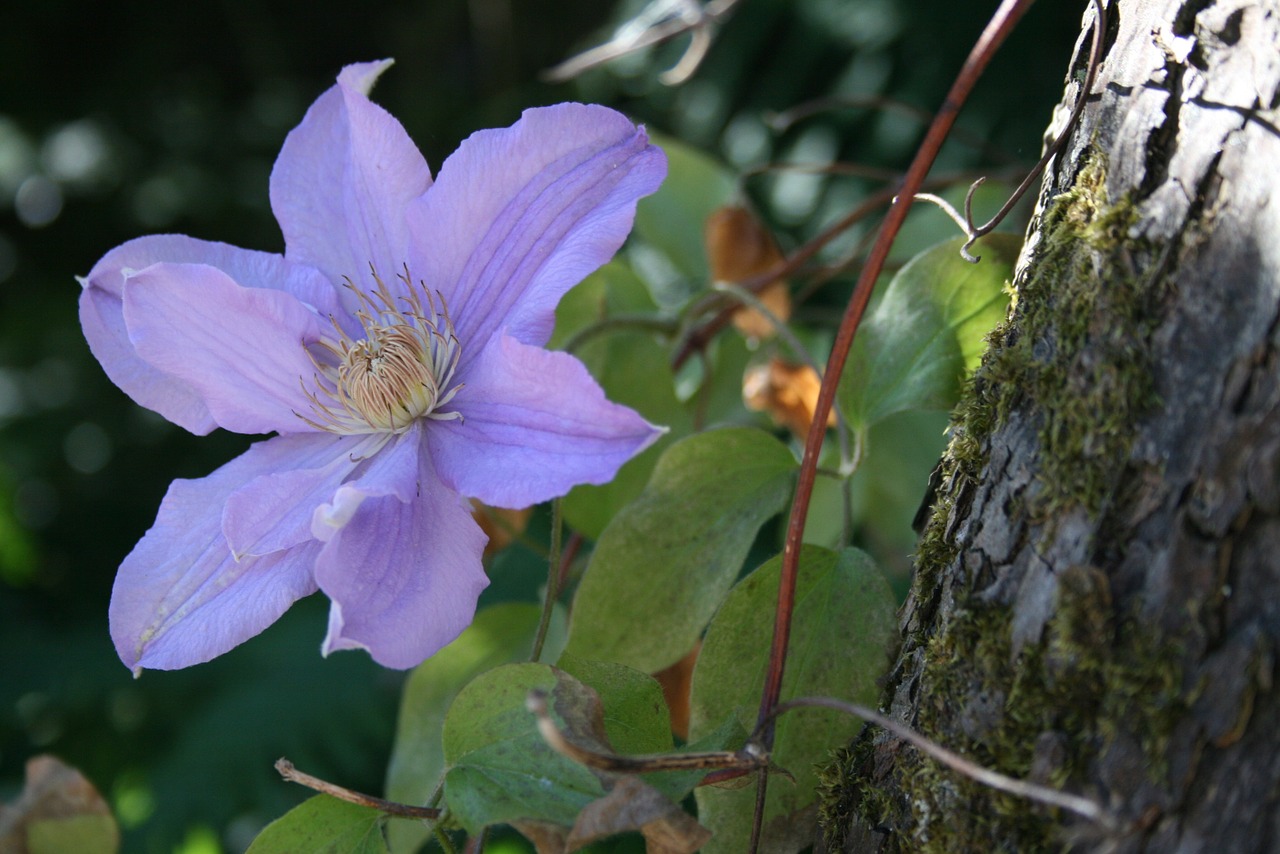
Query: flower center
point(398, 372)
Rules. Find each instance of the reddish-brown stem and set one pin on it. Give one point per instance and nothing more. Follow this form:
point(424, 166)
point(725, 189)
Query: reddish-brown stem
point(999, 27)
point(571, 548)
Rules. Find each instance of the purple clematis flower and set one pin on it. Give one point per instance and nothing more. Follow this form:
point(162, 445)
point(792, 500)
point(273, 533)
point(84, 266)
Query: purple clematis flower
point(396, 349)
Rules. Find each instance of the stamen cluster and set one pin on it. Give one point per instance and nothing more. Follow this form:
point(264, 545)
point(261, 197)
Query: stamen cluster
point(398, 372)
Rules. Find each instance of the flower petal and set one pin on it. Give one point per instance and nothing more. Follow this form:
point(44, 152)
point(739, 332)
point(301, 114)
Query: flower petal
point(535, 424)
point(241, 349)
point(274, 511)
point(520, 215)
point(180, 598)
point(403, 577)
point(343, 179)
point(392, 470)
point(102, 313)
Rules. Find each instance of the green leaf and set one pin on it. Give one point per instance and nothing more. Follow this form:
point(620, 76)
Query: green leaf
point(671, 220)
point(666, 560)
point(927, 330)
point(85, 833)
point(636, 718)
point(500, 768)
point(898, 455)
point(499, 634)
point(842, 626)
point(634, 369)
point(323, 825)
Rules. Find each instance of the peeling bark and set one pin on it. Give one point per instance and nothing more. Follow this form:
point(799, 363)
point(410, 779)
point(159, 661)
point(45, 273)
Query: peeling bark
point(1097, 600)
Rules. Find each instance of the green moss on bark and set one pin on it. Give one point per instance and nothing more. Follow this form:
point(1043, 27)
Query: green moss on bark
point(1074, 356)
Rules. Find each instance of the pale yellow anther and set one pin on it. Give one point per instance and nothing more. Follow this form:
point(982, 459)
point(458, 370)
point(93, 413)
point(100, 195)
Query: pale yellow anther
point(398, 372)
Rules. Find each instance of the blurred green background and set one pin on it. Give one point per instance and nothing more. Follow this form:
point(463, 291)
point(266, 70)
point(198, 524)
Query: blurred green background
point(119, 119)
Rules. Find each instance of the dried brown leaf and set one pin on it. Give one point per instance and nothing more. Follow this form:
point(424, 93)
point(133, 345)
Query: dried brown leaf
point(787, 391)
point(500, 525)
point(633, 804)
point(57, 803)
point(739, 248)
point(676, 681)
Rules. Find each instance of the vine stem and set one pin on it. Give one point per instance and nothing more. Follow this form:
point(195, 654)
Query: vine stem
point(997, 29)
point(293, 775)
point(553, 583)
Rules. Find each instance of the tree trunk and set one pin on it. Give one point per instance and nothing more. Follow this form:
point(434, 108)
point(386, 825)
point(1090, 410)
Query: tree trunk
point(1097, 595)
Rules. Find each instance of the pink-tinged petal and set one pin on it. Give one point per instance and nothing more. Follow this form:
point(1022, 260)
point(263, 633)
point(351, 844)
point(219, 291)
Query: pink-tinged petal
point(102, 313)
point(403, 577)
point(392, 470)
point(343, 179)
point(274, 511)
point(518, 216)
point(180, 598)
point(535, 424)
point(241, 349)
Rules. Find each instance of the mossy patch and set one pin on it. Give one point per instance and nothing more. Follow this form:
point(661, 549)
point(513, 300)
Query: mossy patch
point(1046, 714)
point(1074, 355)
point(1076, 349)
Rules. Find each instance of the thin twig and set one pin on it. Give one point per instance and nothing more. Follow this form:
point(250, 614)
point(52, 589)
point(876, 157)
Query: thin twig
point(1083, 807)
point(747, 298)
point(293, 775)
point(947, 208)
point(746, 759)
point(1095, 59)
point(639, 34)
point(1006, 16)
point(646, 322)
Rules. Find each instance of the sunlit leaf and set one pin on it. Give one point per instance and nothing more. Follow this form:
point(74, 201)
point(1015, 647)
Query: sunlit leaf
point(323, 825)
point(666, 560)
point(500, 768)
point(671, 220)
point(927, 330)
point(499, 634)
point(842, 626)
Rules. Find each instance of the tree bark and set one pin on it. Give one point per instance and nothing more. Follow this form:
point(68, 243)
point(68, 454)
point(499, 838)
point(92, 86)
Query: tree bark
point(1097, 598)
